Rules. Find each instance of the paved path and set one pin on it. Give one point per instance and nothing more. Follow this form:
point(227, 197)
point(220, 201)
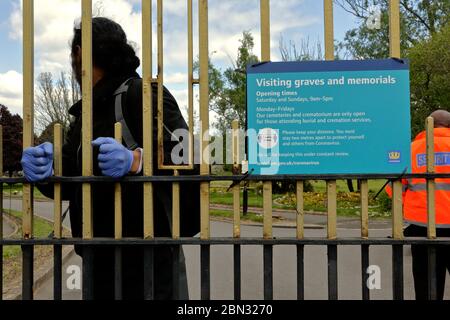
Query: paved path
point(314, 219)
point(349, 274)
point(43, 209)
point(8, 229)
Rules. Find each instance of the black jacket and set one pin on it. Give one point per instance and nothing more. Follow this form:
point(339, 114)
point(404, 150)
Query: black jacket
point(132, 193)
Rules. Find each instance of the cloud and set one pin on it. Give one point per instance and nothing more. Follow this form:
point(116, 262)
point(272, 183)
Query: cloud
point(11, 91)
point(176, 78)
point(54, 20)
point(227, 19)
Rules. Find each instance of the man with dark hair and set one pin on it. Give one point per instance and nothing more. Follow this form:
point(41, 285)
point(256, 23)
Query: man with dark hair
point(115, 64)
point(415, 205)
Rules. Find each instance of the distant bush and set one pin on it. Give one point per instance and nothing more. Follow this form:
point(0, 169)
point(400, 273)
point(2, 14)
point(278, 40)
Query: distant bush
point(384, 202)
point(282, 187)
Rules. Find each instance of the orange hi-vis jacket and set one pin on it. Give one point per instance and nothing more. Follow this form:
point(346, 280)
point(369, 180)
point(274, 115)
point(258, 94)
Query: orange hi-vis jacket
point(415, 190)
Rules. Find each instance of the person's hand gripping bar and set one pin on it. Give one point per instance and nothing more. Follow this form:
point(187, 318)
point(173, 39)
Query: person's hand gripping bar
point(37, 162)
point(114, 160)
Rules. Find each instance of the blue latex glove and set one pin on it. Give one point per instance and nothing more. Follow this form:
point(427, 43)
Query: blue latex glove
point(37, 162)
point(113, 159)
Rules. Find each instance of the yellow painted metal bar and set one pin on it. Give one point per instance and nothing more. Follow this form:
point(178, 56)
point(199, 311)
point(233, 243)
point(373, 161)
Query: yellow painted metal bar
point(329, 29)
point(394, 28)
point(265, 30)
point(176, 167)
point(160, 82)
point(1, 184)
point(160, 41)
point(397, 210)
point(300, 210)
point(394, 49)
point(28, 109)
point(267, 208)
point(204, 118)
point(118, 191)
point(191, 83)
point(265, 56)
point(236, 188)
point(329, 55)
point(176, 208)
point(332, 209)
point(364, 193)
point(431, 186)
point(86, 39)
point(204, 211)
point(147, 110)
point(58, 142)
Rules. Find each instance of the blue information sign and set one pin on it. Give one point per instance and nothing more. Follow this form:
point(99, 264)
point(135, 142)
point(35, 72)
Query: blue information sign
point(329, 117)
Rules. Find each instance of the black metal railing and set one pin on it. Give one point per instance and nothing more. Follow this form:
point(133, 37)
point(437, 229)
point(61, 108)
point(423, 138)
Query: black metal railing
point(205, 249)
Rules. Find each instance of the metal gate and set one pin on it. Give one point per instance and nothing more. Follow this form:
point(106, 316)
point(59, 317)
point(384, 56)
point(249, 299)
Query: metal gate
point(149, 242)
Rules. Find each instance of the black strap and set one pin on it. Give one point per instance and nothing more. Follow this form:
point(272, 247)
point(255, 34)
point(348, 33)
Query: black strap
point(52, 234)
point(238, 182)
point(389, 181)
point(126, 133)
point(128, 138)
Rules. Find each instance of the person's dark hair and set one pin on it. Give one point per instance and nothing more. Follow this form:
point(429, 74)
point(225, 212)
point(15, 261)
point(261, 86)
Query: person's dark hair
point(111, 51)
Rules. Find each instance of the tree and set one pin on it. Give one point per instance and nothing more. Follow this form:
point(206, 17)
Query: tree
point(290, 52)
point(12, 140)
point(227, 90)
point(424, 41)
point(54, 98)
point(430, 77)
point(47, 135)
point(419, 20)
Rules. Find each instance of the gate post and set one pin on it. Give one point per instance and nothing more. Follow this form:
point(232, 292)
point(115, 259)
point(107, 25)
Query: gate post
point(28, 141)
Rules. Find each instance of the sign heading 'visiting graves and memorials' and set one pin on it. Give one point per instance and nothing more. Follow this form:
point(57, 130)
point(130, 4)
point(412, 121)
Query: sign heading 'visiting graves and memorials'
point(329, 117)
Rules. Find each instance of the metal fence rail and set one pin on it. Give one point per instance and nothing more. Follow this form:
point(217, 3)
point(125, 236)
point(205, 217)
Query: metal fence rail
point(268, 280)
point(149, 241)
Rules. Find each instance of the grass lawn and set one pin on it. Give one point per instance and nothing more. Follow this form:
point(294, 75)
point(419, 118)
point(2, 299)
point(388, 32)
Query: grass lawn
point(348, 203)
point(341, 185)
point(15, 190)
point(41, 229)
point(12, 255)
point(319, 185)
point(222, 197)
point(229, 214)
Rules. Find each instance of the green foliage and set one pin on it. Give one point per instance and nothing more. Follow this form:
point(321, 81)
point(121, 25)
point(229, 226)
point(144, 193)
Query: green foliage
point(227, 90)
point(384, 202)
point(12, 140)
point(419, 20)
point(366, 43)
point(281, 187)
point(425, 40)
point(430, 77)
point(47, 135)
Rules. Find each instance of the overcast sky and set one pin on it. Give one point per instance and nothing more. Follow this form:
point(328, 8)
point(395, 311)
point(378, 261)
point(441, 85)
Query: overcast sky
point(54, 19)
